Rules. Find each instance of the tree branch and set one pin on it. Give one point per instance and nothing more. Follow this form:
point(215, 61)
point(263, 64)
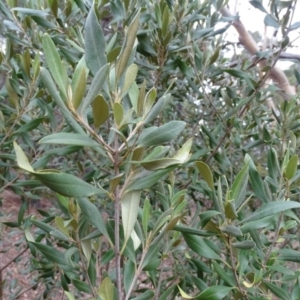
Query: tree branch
point(276, 74)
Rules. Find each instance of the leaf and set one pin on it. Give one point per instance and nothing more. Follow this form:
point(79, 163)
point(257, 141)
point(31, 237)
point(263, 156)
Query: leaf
point(214, 293)
point(257, 184)
point(146, 216)
point(184, 294)
point(270, 209)
point(158, 164)
point(157, 108)
point(100, 111)
point(165, 21)
point(231, 230)
point(69, 295)
point(291, 167)
point(183, 153)
point(198, 245)
point(129, 206)
point(144, 180)
point(79, 83)
point(95, 88)
point(163, 134)
point(150, 100)
point(270, 21)
point(95, 45)
point(244, 245)
point(62, 183)
point(66, 138)
point(144, 296)
point(294, 26)
point(130, 77)
point(81, 286)
point(66, 184)
point(118, 113)
point(22, 160)
point(30, 12)
point(238, 189)
point(257, 4)
point(205, 172)
point(57, 70)
point(289, 255)
point(129, 272)
point(93, 215)
point(278, 291)
point(48, 82)
point(106, 289)
point(127, 46)
point(228, 278)
point(51, 253)
point(237, 73)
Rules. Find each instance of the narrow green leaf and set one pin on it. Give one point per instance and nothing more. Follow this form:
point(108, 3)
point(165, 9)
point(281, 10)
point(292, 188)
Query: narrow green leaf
point(244, 245)
point(118, 113)
point(257, 4)
point(48, 82)
point(146, 217)
point(81, 286)
point(231, 230)
point(198, 245)
point(277, 291)
point(79, 82)
point(30, 12)
point(130, 77)
point(129, 206)
point(57, 69)
point(22, 160)
point(270, 209)
point(214, 293)
point(163, 134)
point(66, 138)
point(93, 215)
point(205, 172)
point(129, 272)
point(69, 295)
point(95, 45)
point(144, 296)
point(257, 224)
point(289, 255)
point(100, 111)
point(51, 253)
point(150, 100)
point(127, 46)
point(95, 88)
point(184, 152)
point(165, 21)
point(270, 21)
point(257, 184)
point(145, 179)
point(158, 164)
point(183, 294)
point(291, 168)
point(194, 231)
point(106, 289)
point(228, 278)
point(239, 186)
point(66, 184)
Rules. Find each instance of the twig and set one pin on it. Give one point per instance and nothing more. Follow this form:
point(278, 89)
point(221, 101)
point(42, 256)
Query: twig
point(13, 259)
point(274, 239)
point(117, 207)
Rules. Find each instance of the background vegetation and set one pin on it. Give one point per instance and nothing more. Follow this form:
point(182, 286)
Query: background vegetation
point(173, 168)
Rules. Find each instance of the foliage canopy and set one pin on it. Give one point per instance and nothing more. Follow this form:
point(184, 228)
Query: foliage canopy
point(171, 173)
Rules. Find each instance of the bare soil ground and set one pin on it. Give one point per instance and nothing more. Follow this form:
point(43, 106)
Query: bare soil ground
point(17, 277)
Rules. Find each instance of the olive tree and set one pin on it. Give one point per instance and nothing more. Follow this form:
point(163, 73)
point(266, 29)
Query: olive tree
point(171, 174)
